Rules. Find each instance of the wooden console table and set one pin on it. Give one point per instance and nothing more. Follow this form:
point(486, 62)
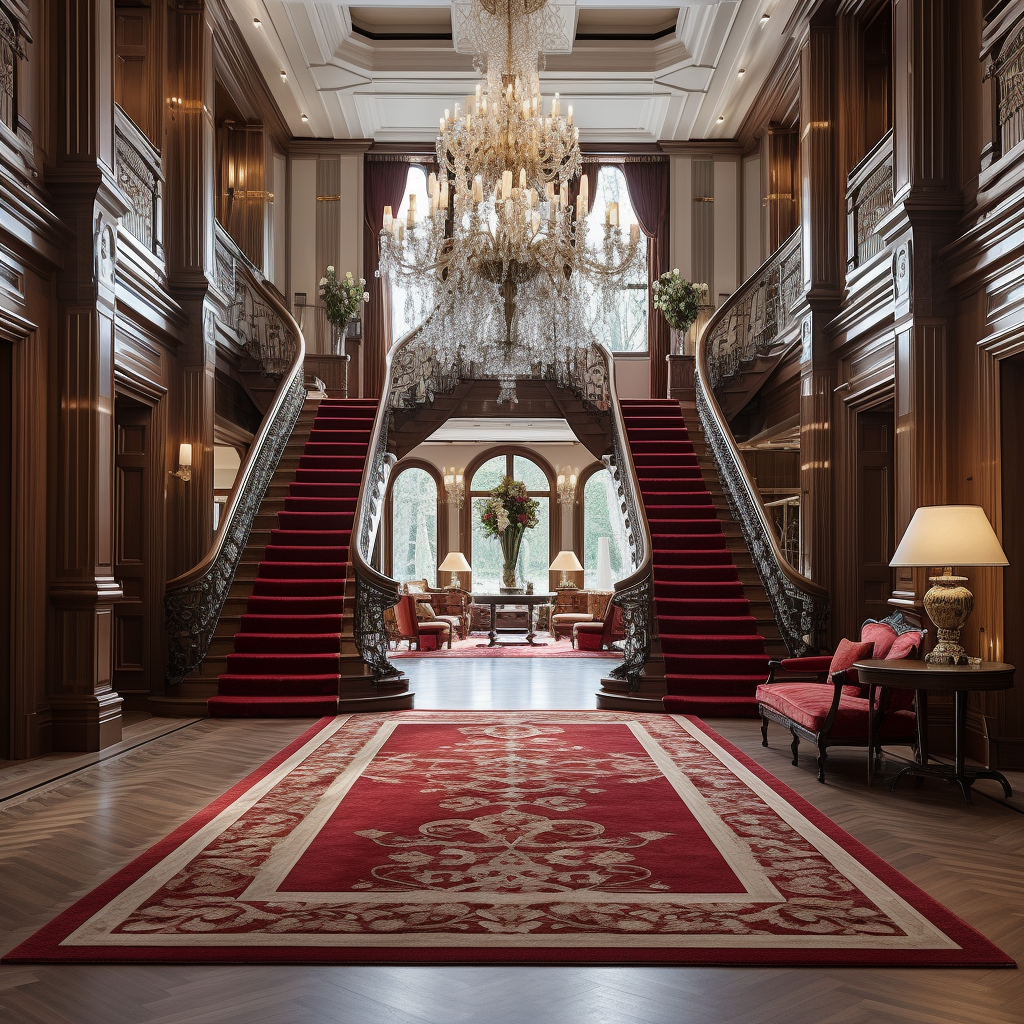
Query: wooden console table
point(497, 600)
point(959, 680)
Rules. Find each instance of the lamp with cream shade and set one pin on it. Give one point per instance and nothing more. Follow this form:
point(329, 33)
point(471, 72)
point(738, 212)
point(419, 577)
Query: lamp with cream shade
point(566, 562)
point(455, 562)
point(949, 535)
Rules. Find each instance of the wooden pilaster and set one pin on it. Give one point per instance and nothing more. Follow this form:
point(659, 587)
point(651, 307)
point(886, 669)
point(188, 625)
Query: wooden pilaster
point(86, 712)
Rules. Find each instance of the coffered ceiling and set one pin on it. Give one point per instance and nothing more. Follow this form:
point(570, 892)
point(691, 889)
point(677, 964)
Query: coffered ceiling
point(638, 73)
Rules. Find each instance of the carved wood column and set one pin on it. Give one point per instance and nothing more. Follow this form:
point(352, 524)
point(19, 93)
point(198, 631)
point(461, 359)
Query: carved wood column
point(190, 266)
point(86, 710)
point(926, 191)
point(821, 223)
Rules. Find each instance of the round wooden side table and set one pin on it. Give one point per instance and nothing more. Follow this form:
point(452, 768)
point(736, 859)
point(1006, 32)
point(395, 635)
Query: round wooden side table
point(959, 680)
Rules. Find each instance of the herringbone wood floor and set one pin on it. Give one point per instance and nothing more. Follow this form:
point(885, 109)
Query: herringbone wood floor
point(60, 841)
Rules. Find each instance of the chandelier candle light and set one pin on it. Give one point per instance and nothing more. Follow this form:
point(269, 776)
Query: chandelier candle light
point(500, 260)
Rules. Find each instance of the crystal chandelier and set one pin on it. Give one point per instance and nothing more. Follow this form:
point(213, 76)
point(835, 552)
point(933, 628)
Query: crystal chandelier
point(501, 262)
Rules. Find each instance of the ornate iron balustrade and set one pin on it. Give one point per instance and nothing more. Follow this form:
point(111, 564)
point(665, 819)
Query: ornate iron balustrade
point(799, 604)
point(1008, 72)
point(749, 324)
point(414, 378)
point(194, 601)
point(868, 201)
point(138, 171)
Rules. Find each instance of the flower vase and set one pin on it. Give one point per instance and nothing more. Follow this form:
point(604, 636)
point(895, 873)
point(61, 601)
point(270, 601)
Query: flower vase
point(510, 539)
point(338, 331)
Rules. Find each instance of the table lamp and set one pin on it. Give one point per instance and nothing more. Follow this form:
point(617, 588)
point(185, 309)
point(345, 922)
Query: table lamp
point(949, 535)
point(566, 562)
point(454, 562)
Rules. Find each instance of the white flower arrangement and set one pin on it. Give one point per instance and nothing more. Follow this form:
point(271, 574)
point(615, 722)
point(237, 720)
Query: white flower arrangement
point(342, 297)
point(678, 299)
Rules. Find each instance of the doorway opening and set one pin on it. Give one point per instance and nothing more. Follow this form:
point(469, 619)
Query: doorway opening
point(876, 511)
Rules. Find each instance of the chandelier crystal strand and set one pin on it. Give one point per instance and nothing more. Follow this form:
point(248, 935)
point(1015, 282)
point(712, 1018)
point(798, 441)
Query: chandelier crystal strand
point(501, 258)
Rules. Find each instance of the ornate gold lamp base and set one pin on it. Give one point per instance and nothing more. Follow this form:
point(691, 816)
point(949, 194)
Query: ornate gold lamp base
point(948, 604)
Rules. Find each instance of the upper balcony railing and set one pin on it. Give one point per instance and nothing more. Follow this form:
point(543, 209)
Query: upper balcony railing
point(868, 202)
point(757, 321)
point(137, 168)
point(413, 378)
point(261, 324)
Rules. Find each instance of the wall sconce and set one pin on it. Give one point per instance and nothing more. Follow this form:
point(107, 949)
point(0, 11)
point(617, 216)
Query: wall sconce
point(184, 470)
point(565, 485)
point(454, 487)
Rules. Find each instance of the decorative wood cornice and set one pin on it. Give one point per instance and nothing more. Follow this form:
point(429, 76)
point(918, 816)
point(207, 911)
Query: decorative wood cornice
point(778, 101)
point(996, 29)
point(329, 147)
point(702, 147)
point(235, 66)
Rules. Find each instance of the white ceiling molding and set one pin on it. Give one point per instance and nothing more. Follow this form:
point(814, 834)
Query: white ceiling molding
point(702, 29)
point(392, 88)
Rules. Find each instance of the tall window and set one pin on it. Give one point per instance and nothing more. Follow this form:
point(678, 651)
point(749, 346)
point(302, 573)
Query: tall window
point(405, 310)
point(624, 329)
point(535, 551)
point(414, 526)
point(602, 518)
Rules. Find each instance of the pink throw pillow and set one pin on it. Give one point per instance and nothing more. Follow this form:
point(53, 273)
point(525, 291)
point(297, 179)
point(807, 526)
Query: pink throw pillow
point(905, 646)
point(881, 634)
point(846, 654)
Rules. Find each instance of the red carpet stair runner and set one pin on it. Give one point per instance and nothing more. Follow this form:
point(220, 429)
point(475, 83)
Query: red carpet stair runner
point(714, 656)
point(286, 654)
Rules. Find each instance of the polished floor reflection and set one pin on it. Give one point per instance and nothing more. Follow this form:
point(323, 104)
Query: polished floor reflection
point(493, 684)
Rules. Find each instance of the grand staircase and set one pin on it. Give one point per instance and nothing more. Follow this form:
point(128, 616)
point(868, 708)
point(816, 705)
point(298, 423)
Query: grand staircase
point(286, 656)
point(715, 656)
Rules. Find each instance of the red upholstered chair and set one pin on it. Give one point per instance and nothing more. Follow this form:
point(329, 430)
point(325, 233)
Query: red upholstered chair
point(599, 636)
point(412, 629)
point(827, 704)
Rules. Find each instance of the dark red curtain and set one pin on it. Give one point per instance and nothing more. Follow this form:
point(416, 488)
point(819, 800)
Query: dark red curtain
point(647, 181)
point(383, 185)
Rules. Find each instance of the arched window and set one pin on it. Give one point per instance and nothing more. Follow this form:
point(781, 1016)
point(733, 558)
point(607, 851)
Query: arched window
point(413, 534)
point(624, 328)
point(602, 518)
point(405, 314)
point(535, 552)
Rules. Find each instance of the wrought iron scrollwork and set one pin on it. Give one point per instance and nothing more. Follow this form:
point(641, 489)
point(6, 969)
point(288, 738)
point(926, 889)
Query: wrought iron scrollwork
point(371, 634)
point(194, 601)
point(800, 606)
point(637, 604)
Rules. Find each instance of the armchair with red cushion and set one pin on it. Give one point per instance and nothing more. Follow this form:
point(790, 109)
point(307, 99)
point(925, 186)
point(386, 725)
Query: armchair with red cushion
point(599, 636)
point(410, 628)
point(827, 704)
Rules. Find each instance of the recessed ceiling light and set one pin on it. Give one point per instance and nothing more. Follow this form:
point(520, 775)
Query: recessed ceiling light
point(741, 72)
point(257, 22)
point(765, 17)
point(284, 76)
point(304, 118)
point(721, 119)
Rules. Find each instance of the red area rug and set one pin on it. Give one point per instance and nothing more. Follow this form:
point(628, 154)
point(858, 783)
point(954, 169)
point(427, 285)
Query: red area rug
point(286, 658)
point(534, 837)
point(714, 656)
point(475, 646)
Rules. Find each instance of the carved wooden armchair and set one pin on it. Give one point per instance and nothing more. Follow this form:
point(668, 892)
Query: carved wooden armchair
point(827, 704)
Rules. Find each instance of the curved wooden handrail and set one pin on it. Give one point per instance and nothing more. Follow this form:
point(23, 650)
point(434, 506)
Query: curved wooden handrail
point(635, 593)
point(194, 600)
point(800, 605)
point(375, 592)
